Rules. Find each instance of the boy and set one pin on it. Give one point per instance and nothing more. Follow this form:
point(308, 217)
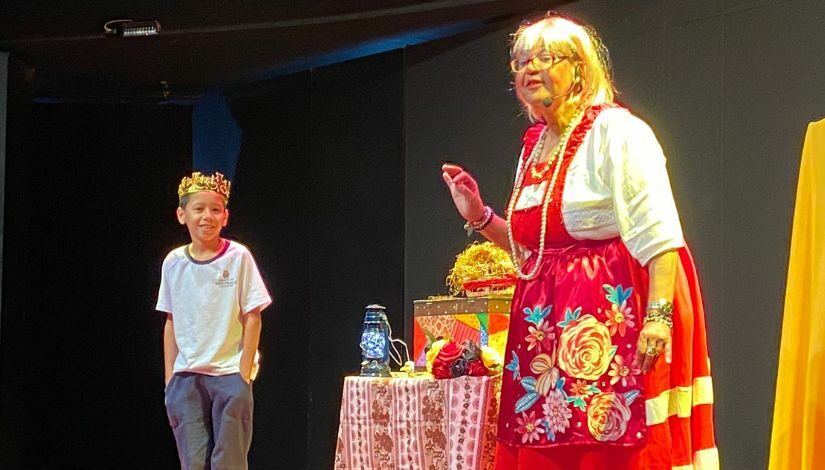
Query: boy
point(213, 295)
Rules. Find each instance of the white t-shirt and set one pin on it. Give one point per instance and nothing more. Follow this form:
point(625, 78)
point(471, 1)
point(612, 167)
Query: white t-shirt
point(617, 185)
point(207, 300)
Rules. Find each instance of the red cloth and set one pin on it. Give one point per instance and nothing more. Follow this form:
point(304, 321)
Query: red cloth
point(477, 368)
point(571, 397)
point(444, 360)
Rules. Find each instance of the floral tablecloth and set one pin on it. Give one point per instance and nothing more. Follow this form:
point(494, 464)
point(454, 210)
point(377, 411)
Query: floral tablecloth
point(418, 423)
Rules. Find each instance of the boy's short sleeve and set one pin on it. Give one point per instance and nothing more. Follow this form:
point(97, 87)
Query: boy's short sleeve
point(164, 294)
point(253, 293)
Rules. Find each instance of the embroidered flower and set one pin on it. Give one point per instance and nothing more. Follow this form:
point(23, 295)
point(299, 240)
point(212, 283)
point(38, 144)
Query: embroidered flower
point(607, 417)
point(541, 336)
point(571, 318)
point(619, 318)
point(622, 369)
point(514, 367)
point(556, 413)
point(579, 392)
point(536, 314)
point(582, 389)
point(548, 374)
point(529, 427)
point(585, 349)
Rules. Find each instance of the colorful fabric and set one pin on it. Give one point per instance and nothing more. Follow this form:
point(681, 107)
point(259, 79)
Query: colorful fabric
point(799, 410)
point(571, 379)
point(483, 328)
point(570, 393)
point(417, 423)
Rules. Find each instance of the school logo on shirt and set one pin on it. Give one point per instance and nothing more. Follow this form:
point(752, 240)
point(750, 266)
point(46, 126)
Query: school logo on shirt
point(225, 281)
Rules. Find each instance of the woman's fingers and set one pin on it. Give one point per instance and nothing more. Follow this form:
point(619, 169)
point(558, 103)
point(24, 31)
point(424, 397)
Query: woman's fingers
point(459, 180)
point(650, 354)
point(447, 178)
point(650, 349)
point(641, 347)
point(648, 362)
point(451, 169)
point(465, 180)
point(464, 191)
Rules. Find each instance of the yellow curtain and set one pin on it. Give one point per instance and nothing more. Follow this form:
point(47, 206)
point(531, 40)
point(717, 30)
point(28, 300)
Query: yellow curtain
point(798, 437)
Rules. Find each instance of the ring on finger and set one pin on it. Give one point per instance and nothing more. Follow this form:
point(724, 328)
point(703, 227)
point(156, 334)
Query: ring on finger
point(651, 351)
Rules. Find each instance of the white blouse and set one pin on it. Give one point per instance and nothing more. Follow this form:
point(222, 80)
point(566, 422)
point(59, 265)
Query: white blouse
point(617, 185)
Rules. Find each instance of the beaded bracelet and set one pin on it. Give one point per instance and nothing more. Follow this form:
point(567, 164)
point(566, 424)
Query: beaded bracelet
point(660, 311)
point(480, 224)
point(659, 317)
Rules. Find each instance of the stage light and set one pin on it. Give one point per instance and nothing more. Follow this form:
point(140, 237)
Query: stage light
point(130, 28)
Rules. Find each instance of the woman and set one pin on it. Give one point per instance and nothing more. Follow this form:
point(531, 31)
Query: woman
point(607, 358)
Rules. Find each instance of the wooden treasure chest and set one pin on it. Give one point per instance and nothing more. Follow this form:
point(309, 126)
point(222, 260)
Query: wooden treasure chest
point(484, 320)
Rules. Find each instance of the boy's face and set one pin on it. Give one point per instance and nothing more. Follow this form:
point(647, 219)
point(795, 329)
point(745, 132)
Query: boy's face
point(204, 215)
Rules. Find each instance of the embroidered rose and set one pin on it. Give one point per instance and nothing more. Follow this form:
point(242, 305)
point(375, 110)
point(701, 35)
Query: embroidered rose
point(585, 350)
point(607, 417)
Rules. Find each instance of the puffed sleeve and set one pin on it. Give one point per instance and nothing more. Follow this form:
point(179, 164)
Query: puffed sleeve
point(642, 197)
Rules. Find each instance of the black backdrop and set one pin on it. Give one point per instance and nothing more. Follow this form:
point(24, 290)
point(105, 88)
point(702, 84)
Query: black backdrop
point(90, 203)
point(319, 200)
point(91, 193)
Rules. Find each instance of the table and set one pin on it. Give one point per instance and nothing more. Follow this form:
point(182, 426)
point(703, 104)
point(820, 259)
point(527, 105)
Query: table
point(418, 423)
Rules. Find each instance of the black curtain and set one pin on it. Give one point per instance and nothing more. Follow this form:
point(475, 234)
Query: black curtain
point(318, 198)
point(91, 193)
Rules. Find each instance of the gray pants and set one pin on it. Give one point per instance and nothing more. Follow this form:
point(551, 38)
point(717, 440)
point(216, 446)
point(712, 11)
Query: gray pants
point(211, 418)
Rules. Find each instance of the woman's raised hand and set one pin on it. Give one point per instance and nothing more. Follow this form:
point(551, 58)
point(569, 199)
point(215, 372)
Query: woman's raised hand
point(464, 190)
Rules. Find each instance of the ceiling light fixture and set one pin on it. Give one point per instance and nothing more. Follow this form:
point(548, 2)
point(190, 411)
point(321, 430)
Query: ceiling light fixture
point(131, 28)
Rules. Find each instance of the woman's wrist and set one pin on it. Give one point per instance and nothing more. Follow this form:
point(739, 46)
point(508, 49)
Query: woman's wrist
point(481, 223)
point(476, 213)
point(660, 311)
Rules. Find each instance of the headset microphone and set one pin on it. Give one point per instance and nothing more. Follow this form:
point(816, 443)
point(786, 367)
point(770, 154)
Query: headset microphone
point(549, 101)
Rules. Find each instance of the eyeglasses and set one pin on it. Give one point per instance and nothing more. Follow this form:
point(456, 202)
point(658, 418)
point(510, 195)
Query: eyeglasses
point(539, 62)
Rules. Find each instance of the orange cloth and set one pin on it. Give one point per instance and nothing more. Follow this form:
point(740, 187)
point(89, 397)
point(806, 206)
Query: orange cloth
point(797, 440)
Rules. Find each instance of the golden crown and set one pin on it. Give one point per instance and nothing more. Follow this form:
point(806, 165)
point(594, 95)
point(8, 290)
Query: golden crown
point(198, 182)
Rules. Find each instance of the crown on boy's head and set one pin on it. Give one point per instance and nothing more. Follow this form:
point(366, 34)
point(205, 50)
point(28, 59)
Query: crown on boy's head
point(198, 182)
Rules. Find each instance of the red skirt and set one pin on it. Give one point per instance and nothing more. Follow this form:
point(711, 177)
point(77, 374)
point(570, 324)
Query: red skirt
point(572, 396)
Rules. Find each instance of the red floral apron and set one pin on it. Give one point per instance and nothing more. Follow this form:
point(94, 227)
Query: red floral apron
point(570, 387)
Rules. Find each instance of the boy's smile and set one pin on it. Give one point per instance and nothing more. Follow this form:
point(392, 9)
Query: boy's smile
point(204, 215)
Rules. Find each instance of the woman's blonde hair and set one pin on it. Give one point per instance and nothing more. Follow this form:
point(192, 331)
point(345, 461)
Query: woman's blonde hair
point(561, 36)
